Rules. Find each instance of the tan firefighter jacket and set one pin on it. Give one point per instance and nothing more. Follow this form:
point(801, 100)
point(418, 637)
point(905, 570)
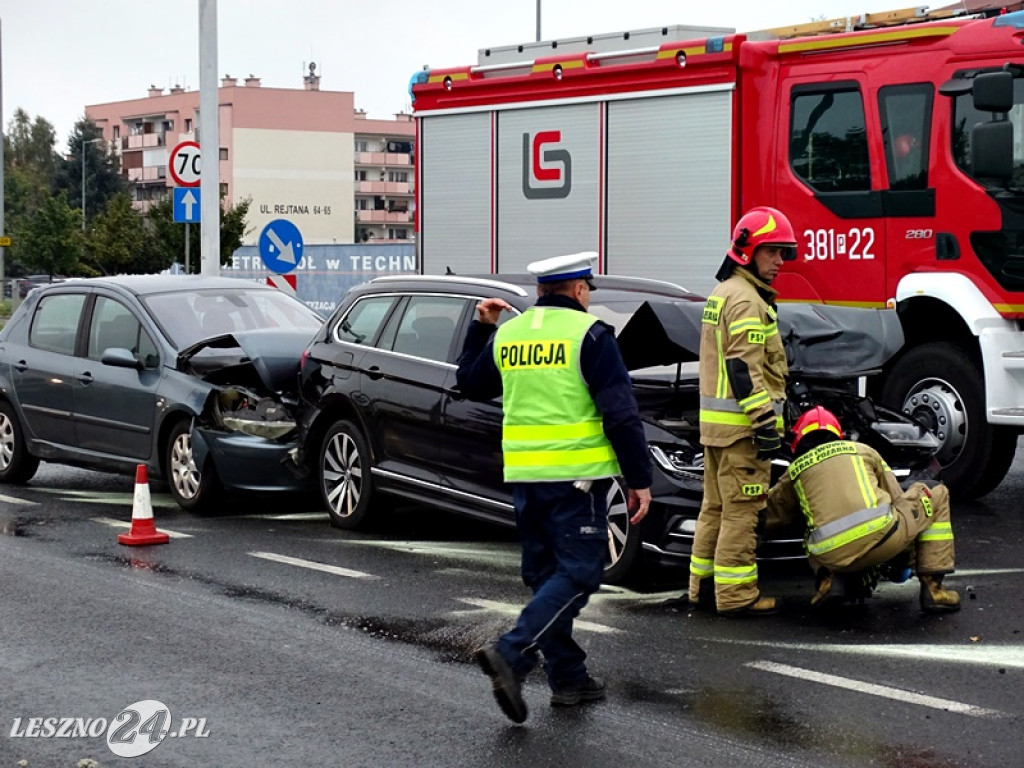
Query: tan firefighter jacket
point(739, 323)
point(843, 491)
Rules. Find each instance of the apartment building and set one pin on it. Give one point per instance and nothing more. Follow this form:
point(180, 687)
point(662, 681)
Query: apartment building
point(302, 154)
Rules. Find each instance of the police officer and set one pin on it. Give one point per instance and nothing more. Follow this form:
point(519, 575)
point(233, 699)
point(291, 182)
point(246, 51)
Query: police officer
point(570, 425)
point(742, 379)
point(856, 513)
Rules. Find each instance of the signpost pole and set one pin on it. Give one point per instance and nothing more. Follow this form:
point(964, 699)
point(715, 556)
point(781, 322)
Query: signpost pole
point(188, 230)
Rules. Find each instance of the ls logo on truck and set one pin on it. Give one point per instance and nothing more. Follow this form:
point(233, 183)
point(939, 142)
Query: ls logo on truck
point(535, 171)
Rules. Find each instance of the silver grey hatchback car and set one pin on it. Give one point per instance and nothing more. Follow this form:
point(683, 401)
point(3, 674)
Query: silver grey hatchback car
point(193, 376)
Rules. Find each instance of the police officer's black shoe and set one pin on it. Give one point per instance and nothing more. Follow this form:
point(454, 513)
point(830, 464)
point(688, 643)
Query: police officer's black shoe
point(590, 689)
point(507, 687)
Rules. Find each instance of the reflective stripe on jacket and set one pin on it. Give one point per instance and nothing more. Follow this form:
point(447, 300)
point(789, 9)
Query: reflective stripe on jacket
point(844, 492)
point(552, 429)
point(739, 323)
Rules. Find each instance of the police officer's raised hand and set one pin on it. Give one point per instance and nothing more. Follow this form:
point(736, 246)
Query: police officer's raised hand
point(489, 310)
point(768, 442)
point(639, 500)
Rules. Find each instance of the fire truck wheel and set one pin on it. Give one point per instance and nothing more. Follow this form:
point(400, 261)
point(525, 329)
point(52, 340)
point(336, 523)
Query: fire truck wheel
point(624, 555)
point(941, 385)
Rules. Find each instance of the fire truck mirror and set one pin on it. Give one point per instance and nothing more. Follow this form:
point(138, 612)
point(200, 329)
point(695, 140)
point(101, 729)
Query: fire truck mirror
point(992, 150)
point(993, 92)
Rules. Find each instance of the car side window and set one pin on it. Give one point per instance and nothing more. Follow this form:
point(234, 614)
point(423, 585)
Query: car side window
point(361, 323)
point(55, 322)
point(114, 325)
point(428, 325)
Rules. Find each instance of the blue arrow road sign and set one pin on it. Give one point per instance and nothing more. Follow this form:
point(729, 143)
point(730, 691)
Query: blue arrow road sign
point(186, 205)
point(280, 246)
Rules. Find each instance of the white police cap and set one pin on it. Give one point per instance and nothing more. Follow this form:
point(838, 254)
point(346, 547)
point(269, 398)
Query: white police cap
point(573, 266)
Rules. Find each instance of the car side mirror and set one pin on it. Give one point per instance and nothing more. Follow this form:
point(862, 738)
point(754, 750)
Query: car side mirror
point(119, 357)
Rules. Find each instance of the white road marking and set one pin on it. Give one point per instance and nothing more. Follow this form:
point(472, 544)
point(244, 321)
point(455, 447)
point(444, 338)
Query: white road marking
point(111, 497)
point(127, 524)
point(485, 553)
point(509, 609)
point(15, 500)
point(989, 655)
point(298, 516)
point(336, 570)
point(875, 690)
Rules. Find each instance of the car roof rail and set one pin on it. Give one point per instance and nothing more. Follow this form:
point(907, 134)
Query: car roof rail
point(453, 279)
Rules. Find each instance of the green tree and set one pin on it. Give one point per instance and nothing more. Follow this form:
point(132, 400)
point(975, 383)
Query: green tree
point(29, 177)
point(117, 241)
point(51, 237)
point(103, 179)
point(168, 236)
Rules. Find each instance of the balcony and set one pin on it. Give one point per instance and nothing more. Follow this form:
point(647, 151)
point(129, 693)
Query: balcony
point(383, 158)
point(148, 174)
point(383, 217)
point(384, 187)
point(143, 141)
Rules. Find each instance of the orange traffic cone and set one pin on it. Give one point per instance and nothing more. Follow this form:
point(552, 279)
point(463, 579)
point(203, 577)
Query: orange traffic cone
point(143, 528)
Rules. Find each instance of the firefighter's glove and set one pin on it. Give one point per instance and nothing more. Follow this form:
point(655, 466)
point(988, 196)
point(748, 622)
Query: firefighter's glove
point(768, 442)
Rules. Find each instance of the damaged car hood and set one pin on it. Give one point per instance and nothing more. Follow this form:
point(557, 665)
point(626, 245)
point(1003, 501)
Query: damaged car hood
point(820, 340)
point(265, 359)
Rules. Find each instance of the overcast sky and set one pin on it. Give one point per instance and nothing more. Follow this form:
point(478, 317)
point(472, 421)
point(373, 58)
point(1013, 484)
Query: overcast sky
point(59, 55)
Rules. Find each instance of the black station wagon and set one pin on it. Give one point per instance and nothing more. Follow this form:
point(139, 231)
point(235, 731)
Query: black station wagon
point(380, 412)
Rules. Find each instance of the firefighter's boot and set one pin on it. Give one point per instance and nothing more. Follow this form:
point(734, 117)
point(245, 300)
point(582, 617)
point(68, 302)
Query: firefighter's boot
point(825, 595)
point(935, 599)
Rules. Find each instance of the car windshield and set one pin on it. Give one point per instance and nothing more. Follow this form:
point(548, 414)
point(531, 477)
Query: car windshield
point(188, 317)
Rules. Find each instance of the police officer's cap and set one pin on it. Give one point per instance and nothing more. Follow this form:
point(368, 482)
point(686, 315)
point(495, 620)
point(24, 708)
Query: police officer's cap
point(573, 266)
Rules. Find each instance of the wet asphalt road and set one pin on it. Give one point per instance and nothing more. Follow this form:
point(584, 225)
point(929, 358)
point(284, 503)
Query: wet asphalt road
point(367, 662)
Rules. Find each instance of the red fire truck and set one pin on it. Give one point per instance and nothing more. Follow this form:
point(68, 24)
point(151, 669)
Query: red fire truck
point(896, 150)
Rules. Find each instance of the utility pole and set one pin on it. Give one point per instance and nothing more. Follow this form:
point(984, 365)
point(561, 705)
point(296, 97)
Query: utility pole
point(538, 21)
point(209, 141)
point(84, 145)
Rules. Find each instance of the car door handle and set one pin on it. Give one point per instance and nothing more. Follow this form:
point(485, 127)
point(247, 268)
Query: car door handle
point(21, 366)
point(85, 377)
point(374, 372)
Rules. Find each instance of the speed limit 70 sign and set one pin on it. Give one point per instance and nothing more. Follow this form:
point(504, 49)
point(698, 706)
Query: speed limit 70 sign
point(185, 164)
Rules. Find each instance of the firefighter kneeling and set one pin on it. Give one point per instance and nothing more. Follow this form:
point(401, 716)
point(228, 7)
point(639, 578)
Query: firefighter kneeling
point(858, 516)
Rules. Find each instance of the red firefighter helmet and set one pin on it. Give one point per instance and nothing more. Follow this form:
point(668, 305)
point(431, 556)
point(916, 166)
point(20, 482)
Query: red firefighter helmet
point(761, 226)
point(813, 420)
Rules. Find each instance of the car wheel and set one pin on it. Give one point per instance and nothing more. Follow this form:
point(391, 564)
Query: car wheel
point(194, 488)
point(622, 561)
point(345, 483)
point(941, 386)
point(17, 465)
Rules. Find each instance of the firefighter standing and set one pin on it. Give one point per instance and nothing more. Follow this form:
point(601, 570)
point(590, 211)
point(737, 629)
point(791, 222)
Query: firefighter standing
point(856, 513)
point(742, 390)
point(570, 425)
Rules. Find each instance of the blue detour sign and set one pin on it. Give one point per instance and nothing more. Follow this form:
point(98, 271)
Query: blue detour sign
point(280, 246)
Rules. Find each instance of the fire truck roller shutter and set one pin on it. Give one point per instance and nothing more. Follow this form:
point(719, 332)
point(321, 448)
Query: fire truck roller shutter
point(669, 196)
point(455, 205)
point(548, 172)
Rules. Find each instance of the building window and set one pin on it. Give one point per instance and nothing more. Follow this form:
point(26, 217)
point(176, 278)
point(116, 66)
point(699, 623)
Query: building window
point(360, 175)
point(117, 132)
point(223, 191)
point(398, 234)
point(223, 153)
point(361, 146)
point(398, 176)
point(361, 204)
point(168, 125)
point(188, 125)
